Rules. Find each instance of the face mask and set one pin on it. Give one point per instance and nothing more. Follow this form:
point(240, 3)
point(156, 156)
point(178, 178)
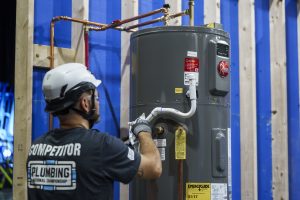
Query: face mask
point(93, 118)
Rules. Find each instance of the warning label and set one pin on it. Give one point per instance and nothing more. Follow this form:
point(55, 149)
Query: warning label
point(178, 90)
point(197, 191)
point(191, 66)
point(180, 144)
point(218, 191)
point(52, 175)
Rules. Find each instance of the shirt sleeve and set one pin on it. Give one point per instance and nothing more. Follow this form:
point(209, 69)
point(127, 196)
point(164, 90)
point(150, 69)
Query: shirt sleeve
point(121, 162)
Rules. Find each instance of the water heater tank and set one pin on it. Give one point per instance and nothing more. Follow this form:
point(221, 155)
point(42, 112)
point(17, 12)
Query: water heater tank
point(194, 151)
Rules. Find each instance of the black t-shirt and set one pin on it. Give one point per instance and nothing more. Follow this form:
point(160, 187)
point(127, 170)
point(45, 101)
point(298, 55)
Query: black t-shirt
point(78, 164)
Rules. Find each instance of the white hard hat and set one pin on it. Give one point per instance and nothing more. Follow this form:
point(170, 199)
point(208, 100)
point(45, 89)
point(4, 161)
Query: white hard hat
point(63, 85)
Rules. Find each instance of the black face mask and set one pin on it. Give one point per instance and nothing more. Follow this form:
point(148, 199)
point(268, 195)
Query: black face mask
point(93, 118)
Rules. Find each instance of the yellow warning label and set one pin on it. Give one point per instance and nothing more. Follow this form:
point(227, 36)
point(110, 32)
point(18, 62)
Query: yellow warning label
point(180, 144)
point(178, 90)
point(210, 25)
point(197, 191)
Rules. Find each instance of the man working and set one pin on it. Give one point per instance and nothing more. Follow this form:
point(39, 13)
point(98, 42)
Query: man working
point(75, 161)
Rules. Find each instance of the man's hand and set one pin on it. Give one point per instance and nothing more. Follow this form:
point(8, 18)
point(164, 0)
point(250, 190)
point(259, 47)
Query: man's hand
point(141, 125)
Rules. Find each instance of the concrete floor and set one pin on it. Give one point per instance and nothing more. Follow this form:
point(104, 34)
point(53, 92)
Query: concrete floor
point(6, 194)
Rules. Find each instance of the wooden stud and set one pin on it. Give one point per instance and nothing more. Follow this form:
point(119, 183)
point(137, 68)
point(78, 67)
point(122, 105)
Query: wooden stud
point(129, 9)
point(248, 129)
point(80, 9)
point(280, 184)
point(212, 11)
point(23, 95)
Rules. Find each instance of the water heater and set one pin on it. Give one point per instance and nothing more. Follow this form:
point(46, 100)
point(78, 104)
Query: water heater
point(195, 151)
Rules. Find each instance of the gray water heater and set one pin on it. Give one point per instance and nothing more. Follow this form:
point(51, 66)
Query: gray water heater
point(194, 151)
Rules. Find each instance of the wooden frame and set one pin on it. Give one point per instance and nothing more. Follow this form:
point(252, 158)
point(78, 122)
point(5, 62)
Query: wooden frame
point(248, 131)
point(280, 168)
point(63, 55)
point(23, 95)
point(212, 11)
point(129, 9)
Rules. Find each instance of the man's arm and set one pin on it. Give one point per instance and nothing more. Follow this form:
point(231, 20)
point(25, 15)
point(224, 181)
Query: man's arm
point(150, 165)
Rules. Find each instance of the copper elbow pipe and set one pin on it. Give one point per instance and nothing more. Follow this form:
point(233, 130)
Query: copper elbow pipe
point(164, 18)
point(97, 26)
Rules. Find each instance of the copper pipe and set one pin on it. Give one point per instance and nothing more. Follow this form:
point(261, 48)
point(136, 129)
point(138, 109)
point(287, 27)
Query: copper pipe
point(145, 23)
point(50, 121)
point(86, 46)
point(120, 28)
point(186, 12)
point(82, 21)
point(52, 44)
point(118, 23)
point(164, 18)
point(191, 12)
point(180, 179)
point(101, 26)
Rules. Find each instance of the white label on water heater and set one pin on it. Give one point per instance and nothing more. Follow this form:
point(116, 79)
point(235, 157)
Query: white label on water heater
point(160, 142)
point(162, 152)
point(192, 53)
point(187, 74)
point(218, 191)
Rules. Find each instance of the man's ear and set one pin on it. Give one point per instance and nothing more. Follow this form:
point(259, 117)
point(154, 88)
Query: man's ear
point(85, 104)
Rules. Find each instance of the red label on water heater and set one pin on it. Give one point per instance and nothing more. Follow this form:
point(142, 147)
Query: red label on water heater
point(191, 65)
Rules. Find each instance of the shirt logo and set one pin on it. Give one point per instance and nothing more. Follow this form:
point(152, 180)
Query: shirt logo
point(72, 149)
point(130, 154)
point(52, 175)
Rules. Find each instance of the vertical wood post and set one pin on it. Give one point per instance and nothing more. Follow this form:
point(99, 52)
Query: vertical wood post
point(212, 11)
point(80, 9)
point(248, 100)
point(23, 95)
point(279, 100)
point(129, 9)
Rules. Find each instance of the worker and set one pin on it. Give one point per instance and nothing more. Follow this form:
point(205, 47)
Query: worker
point(76, 161)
